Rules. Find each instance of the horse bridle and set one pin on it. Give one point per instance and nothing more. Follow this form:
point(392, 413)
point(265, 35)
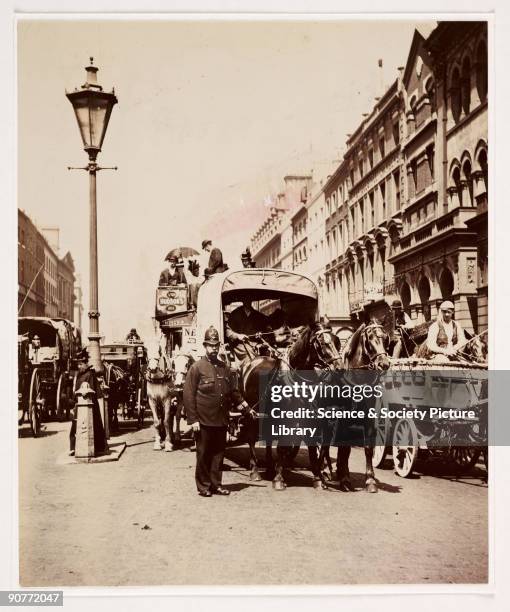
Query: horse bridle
point(316, 344)
point(364, 339)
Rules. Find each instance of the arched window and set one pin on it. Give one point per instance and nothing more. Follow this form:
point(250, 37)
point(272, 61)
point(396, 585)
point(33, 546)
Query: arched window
point(455, 95)
point(430, 88)
point(446, 284)
point(466, 171)
point(405, 296)
point(457, 182)
point(481, 71)
point(466, 85)
point(424, 293)
point(482, 162)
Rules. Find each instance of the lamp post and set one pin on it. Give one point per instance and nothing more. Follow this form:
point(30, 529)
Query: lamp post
point(93, 107)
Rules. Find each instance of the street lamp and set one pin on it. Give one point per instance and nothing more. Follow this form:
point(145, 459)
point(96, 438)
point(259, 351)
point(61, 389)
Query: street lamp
point(93, 107)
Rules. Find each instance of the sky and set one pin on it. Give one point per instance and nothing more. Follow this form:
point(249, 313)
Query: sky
point(211, 116)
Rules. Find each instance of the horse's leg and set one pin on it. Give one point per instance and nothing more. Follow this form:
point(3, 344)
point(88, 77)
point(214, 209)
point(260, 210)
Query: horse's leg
point(178, 416)
point(168, 423)
point(279, 481)
point(342, 467)
point(155, 420)
point(370, 481)
point(318, 479)
point(270, 472)
point(252, 436)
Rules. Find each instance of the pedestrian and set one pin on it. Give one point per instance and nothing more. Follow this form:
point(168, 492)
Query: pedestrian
point(209, 394)
point(215, 264)
point(86, 373)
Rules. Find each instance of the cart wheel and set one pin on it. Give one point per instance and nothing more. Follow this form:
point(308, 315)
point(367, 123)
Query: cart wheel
point(464, 457)
point(62, 399)
point(405, 447)
point(33, 408)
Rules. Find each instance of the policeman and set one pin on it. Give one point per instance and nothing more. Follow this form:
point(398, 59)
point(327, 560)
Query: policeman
point(209, 393)
point(86, 373)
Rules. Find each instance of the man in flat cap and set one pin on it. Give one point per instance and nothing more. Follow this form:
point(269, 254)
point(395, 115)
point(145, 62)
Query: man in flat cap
point(209, 394)
point(172, 275)
point(86, 373)
point(215, 264)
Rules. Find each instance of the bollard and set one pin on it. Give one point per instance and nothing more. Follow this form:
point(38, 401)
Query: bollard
point(84, 422)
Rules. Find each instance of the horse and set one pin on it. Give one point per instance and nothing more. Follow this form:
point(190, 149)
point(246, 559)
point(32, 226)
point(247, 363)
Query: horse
point(162, 400)
point(365, 351)
point(180, 363)
point(315, 347)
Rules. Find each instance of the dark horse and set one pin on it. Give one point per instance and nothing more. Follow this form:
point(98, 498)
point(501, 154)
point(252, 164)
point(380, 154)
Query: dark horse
point(315, 348)
point(365, 353)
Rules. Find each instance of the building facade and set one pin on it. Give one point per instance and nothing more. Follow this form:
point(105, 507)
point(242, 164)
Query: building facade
point(30, 268)
point(45, 282)
point(404, 214)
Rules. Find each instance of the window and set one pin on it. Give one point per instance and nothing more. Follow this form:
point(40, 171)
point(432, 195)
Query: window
point(466, 85)
point(382, 150)
point(372, 209)
point(482, 160)
point(455, 95)
point(382, 188)
point(396, 133)
point(351, 176)
point(430, 161)
point(411, 115)
point(457, 183)
point(466, 171)
point(430, 88)
point(371, 158)
point(481, 71)
point(360, 168)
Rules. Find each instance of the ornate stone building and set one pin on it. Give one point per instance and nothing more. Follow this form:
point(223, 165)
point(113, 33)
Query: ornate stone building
point(444, 153)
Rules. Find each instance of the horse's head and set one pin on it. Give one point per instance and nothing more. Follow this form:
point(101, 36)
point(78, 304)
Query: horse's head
point(476, 349)
point(374, 341)
point(326, 347)
point(180, 366)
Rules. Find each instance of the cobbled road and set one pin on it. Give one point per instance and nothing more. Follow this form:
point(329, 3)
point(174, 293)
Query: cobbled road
point(139, 521)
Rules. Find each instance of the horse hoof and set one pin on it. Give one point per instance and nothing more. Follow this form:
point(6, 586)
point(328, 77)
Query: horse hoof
point(169, 447)
point(318, 485)
point(371, 486)
point(326, 476)
point(157, 446)
point(255, 476)
point(346, 486)
point(279, 485)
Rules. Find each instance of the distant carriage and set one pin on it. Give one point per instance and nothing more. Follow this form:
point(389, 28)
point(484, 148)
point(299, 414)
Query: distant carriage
point(47, 349)
point(124, 364)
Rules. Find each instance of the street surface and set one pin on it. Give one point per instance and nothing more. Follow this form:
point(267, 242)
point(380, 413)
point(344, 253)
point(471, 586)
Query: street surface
point(139, 521)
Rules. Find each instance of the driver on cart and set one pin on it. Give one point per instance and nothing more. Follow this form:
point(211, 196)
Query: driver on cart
point(243, 324)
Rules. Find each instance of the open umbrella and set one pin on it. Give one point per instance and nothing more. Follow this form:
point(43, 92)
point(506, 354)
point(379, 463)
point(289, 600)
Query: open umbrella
point(182, 252)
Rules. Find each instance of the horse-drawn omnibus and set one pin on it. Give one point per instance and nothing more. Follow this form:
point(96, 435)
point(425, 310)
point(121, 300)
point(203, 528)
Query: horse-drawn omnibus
point(47, 367)
point(124, 364)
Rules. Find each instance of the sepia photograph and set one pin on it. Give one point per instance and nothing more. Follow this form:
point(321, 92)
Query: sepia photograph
point(215, 214)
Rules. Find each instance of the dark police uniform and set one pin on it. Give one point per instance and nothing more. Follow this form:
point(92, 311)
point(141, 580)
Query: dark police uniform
point(209, 394)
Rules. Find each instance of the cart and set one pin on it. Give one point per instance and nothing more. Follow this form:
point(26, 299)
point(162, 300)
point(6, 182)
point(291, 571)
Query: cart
point(420, 384)
point(47, 368)
point(124, 364)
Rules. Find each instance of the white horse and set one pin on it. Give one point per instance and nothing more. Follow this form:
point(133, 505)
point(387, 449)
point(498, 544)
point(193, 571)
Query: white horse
point(161, 397)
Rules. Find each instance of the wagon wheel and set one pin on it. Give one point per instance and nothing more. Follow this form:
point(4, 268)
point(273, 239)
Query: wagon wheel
point(382, 437)
point(464, 457)
point(405, 447)
point(33, 408)
point(62, 398)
